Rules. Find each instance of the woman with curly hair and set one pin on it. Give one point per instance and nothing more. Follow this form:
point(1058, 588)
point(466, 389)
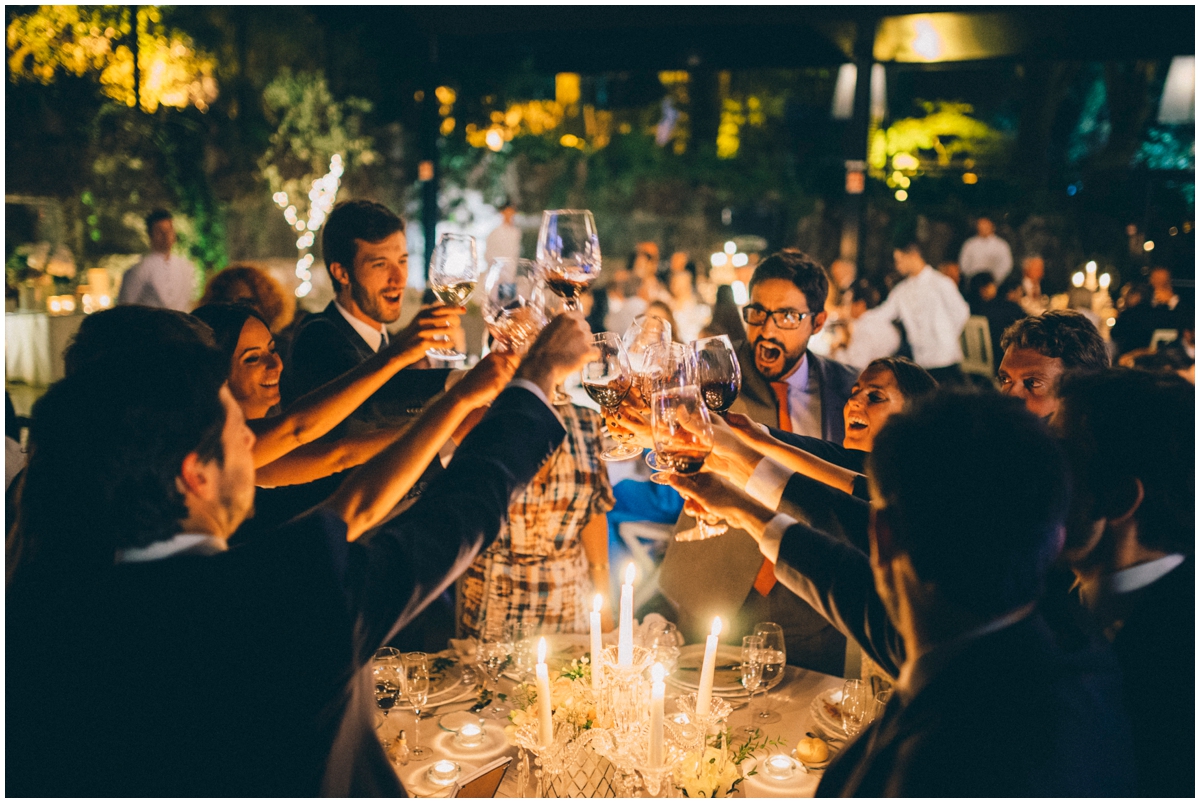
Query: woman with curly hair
point(249, 283)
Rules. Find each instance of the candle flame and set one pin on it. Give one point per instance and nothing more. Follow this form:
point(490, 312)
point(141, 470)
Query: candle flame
point(542, 650)
point(630, 573)
point(657, 673)
point(597, 603)
point(716, 631)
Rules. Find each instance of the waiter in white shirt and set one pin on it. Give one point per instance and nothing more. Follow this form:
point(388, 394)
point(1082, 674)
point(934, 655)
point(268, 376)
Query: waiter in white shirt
point(932, 312)
point(985, 251)
point(505, 239)
point(160, 279)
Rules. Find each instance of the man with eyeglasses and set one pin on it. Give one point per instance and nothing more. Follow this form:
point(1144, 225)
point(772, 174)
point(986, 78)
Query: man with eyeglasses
point(787, 387)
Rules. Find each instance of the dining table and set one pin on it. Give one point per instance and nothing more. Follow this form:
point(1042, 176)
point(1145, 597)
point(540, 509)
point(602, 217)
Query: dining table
point(792, 697)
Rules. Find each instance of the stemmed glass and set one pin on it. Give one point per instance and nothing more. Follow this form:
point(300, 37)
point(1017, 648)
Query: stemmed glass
point(453, 272)
point(514, 305)
point(660, 361)
point(385, 673)
point(568, 250)
point(524, 647)
point(492, 656)
point(416, 689)
point(718, 371)
point(607, 380)
point(752, 655)
point(774, 659)
point(858, 706)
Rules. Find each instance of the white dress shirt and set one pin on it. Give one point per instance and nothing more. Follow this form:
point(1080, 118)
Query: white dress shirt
point(933, 313)
point(504, 241)
point(192, 543)
point(986, 253)
point(872, 336)
point(160, 280)
point(804, 400)
point(375, 338)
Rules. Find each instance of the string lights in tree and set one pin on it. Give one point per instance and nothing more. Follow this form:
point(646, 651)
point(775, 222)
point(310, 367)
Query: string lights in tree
point(321, 198)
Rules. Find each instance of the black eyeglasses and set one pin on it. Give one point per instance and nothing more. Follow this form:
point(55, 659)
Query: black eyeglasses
point(784, 318)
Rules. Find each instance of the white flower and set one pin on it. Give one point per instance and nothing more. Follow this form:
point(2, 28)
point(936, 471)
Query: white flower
point(710, 775)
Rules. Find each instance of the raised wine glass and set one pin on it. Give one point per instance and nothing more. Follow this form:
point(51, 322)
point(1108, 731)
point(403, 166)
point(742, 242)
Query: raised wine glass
point(718, 371)
point(607, 380)
point(774, 662)
point(453, 273)
point(568, 250)
point(416, 690)
point(514, 303)
point(660, 361)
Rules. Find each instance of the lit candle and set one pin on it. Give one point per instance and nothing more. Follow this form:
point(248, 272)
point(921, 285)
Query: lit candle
point(704, 695)
point(625, 633)
point(546, 724)
point(658, 691)
point(1091, 275)
point(470, 735)
point(597, 643)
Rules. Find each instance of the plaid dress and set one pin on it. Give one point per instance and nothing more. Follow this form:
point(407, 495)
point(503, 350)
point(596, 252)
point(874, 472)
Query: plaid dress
point(536, 570)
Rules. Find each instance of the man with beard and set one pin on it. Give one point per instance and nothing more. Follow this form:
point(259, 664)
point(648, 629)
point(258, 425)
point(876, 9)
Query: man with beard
point(366, 253)
point(787, 387)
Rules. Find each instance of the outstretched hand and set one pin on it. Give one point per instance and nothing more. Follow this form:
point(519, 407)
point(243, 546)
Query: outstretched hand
point(707, 495)
point(562, 348)
point(433, 327)
point(485, 381)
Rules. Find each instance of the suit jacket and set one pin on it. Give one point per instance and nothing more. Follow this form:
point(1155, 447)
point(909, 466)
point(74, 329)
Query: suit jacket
point(827, 450)
point(1013, 713)
point(327, 346)
point(827, 509)
point(246, 673)
point(717, 575)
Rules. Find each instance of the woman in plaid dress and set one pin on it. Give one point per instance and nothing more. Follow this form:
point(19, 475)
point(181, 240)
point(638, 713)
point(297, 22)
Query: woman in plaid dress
point(552, 555)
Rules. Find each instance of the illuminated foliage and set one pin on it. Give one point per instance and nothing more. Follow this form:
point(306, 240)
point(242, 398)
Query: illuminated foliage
point(931, 143)
point(97, 40)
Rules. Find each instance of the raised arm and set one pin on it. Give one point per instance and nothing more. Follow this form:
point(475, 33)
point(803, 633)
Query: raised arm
point(796, 459)
point(319, 411)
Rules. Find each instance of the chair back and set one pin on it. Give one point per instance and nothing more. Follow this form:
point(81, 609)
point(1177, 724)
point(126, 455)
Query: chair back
point(976, 341)
point(484, 781)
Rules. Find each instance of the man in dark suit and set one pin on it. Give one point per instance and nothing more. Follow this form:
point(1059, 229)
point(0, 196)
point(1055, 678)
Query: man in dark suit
point(784, 386)
point(366, 254)
point(988, 701)
point(1039, 349)
point(144, 658)
point(1131, 439)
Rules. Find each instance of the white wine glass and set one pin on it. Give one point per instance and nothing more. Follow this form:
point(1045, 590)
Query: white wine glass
point(416, 690)
point(774, 663)
point(514, 303)
point(453, 273)
point(607, 379)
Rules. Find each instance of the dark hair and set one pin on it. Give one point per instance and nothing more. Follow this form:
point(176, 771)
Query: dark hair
point(913, 380)
point(798, 268)
point(273, 303)
point(156, 216)
point(1010, 283)
point(979, 281)
point(131, 334)
point(355, 220)
point(866, 292)
point(599, 311)
point(1063, 334)
point(726, 320)
point(121, 474)
point(976, 492)
point(227, 322)
point(1123, 424)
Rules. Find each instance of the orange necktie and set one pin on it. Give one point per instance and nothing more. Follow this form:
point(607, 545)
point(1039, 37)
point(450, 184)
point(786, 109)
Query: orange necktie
point(765, 580)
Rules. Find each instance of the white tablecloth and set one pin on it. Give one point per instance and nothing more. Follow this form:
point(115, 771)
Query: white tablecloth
point(34, 343)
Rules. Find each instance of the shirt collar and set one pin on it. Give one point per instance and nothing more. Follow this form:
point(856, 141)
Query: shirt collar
point(1123, 581)
point(374, 337)
point(190, 543)
point(798, 378)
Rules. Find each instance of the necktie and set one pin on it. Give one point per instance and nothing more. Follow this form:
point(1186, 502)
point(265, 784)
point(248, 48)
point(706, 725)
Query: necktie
point(383, 343)
point(765, 581)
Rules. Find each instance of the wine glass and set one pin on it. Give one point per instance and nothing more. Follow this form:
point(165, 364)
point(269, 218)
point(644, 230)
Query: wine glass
point(568, 251)
point(607, 380)
point(718, 371)
point(453, 272)
point(514, 303)
point(524, 646)
point(774, 661)
point(492, 656)
point(644, 333)
point(385, 673)
point(416, 689)
point(662, 638)
point(858, 706)
point(752, 681)
point(660, 360)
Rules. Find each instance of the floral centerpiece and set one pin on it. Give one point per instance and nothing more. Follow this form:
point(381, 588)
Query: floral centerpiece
point(571, 700)
point(718, 770)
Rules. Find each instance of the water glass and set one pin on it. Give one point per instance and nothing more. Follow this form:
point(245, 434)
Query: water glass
point(774, 663)
point(387, 679)
point(416, 690)
point(858, 706)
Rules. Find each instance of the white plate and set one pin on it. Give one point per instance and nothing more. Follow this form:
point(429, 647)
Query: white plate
point(832, 726)
point(726, 682)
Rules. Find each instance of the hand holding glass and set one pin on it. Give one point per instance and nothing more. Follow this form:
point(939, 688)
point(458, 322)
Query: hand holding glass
point(607, 379)
point(453, 272)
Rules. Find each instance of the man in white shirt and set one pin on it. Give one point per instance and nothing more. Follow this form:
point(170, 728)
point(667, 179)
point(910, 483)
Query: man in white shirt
point(932, 312)
point(160, 279)
point(505, 239)
point(985, 251)
point(871, 333)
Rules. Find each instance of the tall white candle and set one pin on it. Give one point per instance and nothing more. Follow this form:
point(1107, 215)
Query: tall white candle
point(1090, 283)
point(545, 723)
point(658, 691)
point(625, 632)
point(597, 642)
point(704, 695)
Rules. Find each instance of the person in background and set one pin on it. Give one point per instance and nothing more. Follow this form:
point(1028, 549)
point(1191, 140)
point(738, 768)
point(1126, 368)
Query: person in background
point(951, 271)
point(870, 334)
point(1164, 291)
point(1002, 311)
point(689, 312)
point(160, 279)
point(248, 283)
point(623, 302)
point(980, 290)
point(1033, 270)
point(659, 309)
point(1130, 437)
point(1038, 350)
point(985, 251)
point(1136, 320)
point(932, 312)
point(842, 274)
point(505, 239)
point(726, 317)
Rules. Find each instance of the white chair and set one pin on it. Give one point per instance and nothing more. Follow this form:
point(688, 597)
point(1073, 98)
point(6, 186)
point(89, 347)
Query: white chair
point(976, 339)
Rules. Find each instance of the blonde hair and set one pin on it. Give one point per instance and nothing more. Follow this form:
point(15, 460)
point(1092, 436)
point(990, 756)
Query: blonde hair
point(268, 297)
